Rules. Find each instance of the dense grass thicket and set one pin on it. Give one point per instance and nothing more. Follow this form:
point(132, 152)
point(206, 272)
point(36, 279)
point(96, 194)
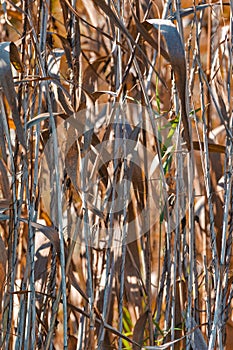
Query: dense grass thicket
point(116, 150)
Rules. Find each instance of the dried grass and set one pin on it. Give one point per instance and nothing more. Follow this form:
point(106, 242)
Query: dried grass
point(67, 282)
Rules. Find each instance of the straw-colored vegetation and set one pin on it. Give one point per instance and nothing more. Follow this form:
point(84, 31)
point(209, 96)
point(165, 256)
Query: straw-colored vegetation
point(116, 204)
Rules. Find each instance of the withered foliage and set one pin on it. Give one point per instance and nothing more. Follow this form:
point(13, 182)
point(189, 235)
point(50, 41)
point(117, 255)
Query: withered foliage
point(116, 150)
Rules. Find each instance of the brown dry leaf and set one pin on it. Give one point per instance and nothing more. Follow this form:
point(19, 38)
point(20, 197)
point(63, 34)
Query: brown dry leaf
point(112, 16)
point(138, 180)
point(52, 234)
point(214, 148)
point(65, 13)
point(66, 46)
point(175, 51)
point(4, 181)
point(13, 14)
point(229, 334)
point(64, 102)
point(97, 94)
point(4, 203)
point(62, 96)
point(72, 342)
point(91, 339)
point(138, 333)
point(3, 152)
point(144, 28)
point(3, 259)
point(14, 58)
point(66, 5)
point(7, 85)
point(120, 25)
point(72, 159)
point(91, 74)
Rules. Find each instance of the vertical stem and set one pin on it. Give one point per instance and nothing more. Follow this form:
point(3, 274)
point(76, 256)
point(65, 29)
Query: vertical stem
point(14, 226)
point(208, 65)
point(58, 203)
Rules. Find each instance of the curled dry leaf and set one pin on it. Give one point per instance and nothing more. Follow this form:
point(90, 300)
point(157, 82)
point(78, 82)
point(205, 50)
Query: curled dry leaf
point(14, 57)
point(138, 334)
point(176, 54)
point(7, 52)
point(66, 47)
